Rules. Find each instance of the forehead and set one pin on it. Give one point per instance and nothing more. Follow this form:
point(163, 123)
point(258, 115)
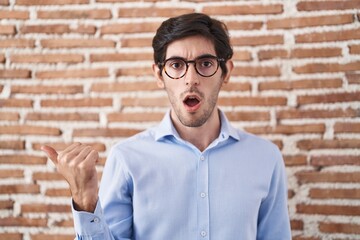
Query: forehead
point(190, 47)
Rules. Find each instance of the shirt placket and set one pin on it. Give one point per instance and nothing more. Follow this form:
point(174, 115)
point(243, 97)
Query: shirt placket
point(203, 198)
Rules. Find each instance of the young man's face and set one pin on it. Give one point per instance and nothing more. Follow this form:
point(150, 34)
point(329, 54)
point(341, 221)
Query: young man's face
point(193, 97)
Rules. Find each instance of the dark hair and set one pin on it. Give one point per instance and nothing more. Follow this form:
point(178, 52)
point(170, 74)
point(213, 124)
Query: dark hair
point(191, 25)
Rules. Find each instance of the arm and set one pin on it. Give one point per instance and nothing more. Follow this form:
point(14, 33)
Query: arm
point(273, 221)
point(77, 164)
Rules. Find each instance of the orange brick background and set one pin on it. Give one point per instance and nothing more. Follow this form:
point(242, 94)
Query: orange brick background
point(80, 70)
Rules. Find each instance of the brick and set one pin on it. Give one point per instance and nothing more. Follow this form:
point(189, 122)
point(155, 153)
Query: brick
point(11, 236)
point(23, 222)
point(4, 2)
point(17, 43)
point(70, 74)
point(346, 127)
point(55, 192)
point(354, 49)
point(44, 208)
point(15, 144)
point(18, 103)
point(317, 113)
point(23, 188)
point(2, 60)
point(296, 160)
point(153, 12)
point(348, 228)
point(301, 84)
point(327, 177)
point(9, 116)
point(257, 40)
point(136, 42)
point(244, 25)
point(242, 56)
point(329, 36)
point(33, 116)
point(278, 143)
point(83, 29)
point(256, 71)
point(244, 9)
point(322, 193)
point(237, 86)
point(252, 101)
point(327, 67)
point(40, 89)
point(144, 102)
point(77, 43)
point(328, 144)
point(297, 225)
point(29, 130)
point(316, 52)
point(329, 98)
point(288, 129)
point(6, 204)
point(301, 22)
point(329, 160)
point(353, 78)
point(15, 73)
point(13, 14)
point(11, 173)
point(124, 87)
point(105, 132)
point(42, 236)
point(50, 2)
point(75, 14)
point(71, 103)
point(327, 5)
point(7, 30)
point(22, 159)
point(46, 29)
point(130, 28)
point(305, 238)
point(135, 117)
point(47, 176)
point(328, 209)
point(248, 116)
point(272, 54)
point(118, 57)
point(46, 58)
point(116, 1)
point(138, 71)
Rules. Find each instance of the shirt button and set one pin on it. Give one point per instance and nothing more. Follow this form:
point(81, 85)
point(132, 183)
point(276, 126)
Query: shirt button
point(202, 158)
point(203, 233)
point(202, 194)
point(96, 220)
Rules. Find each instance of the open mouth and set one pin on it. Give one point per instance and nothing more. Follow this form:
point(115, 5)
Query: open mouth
point(192, 103)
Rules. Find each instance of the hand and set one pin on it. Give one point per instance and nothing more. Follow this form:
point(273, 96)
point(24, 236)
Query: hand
point(77, 164)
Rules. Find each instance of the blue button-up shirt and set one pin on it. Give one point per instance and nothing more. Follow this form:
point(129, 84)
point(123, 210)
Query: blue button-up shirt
point(156, 186)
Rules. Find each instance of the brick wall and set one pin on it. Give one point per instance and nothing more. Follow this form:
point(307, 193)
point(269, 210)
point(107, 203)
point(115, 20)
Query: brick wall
point(79, 70)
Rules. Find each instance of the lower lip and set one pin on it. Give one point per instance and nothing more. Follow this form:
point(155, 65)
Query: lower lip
point(193, 108)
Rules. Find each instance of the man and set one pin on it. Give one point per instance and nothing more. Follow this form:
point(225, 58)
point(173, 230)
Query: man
point(193, 176)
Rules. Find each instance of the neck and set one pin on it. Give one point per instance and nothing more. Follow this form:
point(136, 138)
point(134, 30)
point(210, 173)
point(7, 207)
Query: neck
point(201, 137)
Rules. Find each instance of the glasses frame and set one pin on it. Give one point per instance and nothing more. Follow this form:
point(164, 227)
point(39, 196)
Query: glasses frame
point(187, 62)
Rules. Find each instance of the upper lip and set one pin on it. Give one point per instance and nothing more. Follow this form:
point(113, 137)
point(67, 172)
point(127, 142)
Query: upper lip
point(192, 96)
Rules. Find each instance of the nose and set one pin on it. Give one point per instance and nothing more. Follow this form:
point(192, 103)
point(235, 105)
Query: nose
point(191, 77)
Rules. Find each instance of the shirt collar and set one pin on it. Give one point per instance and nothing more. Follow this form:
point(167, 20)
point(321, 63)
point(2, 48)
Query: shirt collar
point(166, 128)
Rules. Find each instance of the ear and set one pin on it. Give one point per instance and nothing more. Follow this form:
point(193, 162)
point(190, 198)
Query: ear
point(229, 66)
point(158, 76)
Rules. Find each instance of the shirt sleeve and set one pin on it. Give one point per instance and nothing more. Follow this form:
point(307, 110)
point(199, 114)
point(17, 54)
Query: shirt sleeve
point(112, 218)
point(273, 222)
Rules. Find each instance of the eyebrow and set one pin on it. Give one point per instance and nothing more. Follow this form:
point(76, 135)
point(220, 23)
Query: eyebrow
point(200, 56)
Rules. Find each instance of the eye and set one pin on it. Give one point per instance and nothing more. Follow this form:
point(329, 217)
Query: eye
point(206, 62)
point(176, 64)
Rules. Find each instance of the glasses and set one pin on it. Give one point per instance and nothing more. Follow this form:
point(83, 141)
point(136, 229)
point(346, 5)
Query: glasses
point(205, 66)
